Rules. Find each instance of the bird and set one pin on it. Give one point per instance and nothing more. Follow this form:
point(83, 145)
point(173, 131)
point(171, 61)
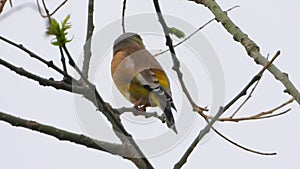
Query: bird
point(140, 78)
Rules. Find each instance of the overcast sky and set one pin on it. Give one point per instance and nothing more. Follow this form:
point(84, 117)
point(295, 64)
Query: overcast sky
point(273, 25)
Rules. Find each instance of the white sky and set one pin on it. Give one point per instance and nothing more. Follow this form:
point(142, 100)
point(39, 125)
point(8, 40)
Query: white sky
point(271, 24)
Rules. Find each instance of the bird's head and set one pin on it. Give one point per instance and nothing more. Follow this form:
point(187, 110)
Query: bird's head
point(128, 40)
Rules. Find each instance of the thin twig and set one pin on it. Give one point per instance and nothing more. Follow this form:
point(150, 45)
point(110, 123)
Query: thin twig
point(279, 107)
point(136, 112)
point(245, 101)
point(201, 134)
point(35, 56)
point(73, 64)
point(275, 115)
point(176, 63)
point(52, 13)
point(260, 73)
point(196, 31)
point(42, 81)
point(261, 115)
point(88, 40)
point(270, 62)
point(47, 11)
point(123, 15)
point(57, 8)
point(63, 60)
point(176, 67)
point(240, 146)
point(253, 80)
point(243, 92)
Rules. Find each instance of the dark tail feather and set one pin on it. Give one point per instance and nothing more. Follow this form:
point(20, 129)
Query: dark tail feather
point(162, 99)
point(170, 100)
point(170, 118)
point(173, 106)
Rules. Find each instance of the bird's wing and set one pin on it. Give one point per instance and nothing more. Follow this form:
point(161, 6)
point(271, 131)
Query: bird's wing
point(157, 96)
point(130, 66)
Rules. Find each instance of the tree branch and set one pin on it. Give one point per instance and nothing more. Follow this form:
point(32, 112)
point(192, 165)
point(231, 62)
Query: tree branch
point(196, 31)
point(88, 41)
point(33, 55)
point(63, 135)
point(201, 134)
point(240, 146)
point(262, 115)
point(49, 14)
point(136, 112)
point(176, 63)
point(256, 78)
point(133, 152)
point(250, 46)
point(123, 15)
point(46, 10)
point(42, 81)
point(89, 91)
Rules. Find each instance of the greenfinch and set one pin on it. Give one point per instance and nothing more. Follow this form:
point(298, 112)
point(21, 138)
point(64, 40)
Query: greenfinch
point(140, 78)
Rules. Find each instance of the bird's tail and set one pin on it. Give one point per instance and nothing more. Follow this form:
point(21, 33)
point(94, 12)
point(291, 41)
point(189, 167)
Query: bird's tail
point(165, 104)
point(169, 117)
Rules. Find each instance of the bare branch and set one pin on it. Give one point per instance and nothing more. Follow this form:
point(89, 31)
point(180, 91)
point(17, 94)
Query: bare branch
point(35, 56)
point(240, 146)
point(63, 60)
point(47, 11)
point(250, 46)
point(176, 63)
point(243, 92)
point(270, 62)
point(88, 40)
point(136, 112)
point(73, 64)
point(253, 89)
point(196, 31)
point(88, 90)
point(112, 116)
point(123, 15)
point(42, 81)
point(261, 115)
point(92, 94)
point(63, 135)
point(201, 134)
point(245, 101)
point(256, 78)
